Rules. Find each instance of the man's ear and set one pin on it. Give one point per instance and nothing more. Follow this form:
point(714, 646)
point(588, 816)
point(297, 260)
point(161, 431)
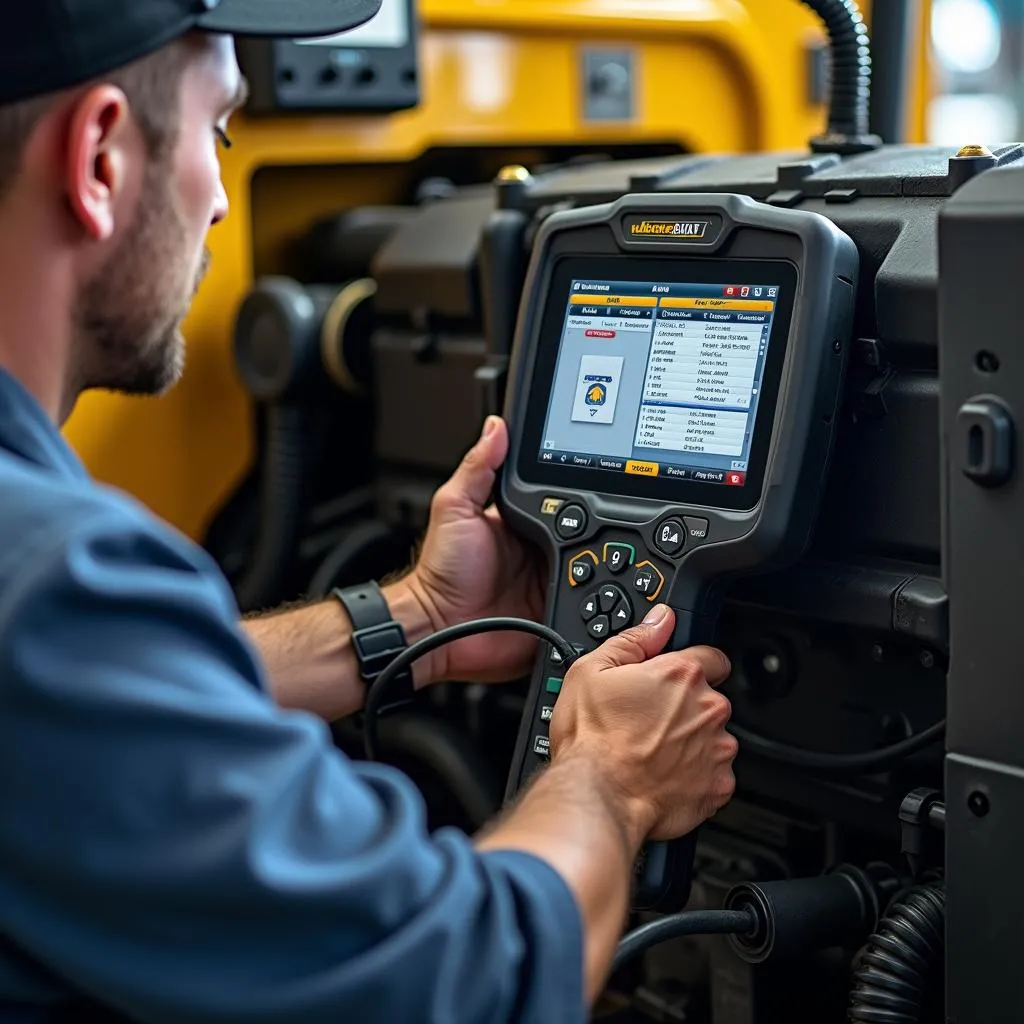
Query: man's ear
point(97, 158)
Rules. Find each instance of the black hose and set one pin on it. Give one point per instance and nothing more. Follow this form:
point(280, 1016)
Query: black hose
point(849, 116)
point(282, 491)
point(898, 979)
point(838, 764)
point(378, 695)
point(690, 922)
point(458, 764)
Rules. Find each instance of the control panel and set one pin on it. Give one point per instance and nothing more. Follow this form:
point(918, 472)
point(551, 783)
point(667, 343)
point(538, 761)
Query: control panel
point(607, 585)
point(672, 400)
point(370, 69)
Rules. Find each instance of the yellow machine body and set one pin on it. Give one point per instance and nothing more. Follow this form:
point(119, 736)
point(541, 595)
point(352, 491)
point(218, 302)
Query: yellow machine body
point(501, 81)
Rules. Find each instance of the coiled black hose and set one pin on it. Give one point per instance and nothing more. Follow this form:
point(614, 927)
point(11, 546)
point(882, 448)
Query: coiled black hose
point(850, 50)
point(898, 979)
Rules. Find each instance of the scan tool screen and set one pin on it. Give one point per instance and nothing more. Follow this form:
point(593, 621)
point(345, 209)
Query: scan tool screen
point(660, 379)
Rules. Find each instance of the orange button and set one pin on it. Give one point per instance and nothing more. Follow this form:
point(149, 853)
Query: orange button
point(642, 468)
point(648, 581)
point(581, 568)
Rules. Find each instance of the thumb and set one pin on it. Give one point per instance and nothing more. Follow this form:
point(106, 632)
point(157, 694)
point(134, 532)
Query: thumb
point(469, 488)
point(639, 644)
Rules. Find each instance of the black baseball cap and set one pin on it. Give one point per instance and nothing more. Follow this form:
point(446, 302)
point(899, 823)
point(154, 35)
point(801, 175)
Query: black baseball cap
point(47, 45)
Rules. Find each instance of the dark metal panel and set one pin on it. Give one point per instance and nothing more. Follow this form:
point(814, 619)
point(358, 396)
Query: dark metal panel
point(981, 242)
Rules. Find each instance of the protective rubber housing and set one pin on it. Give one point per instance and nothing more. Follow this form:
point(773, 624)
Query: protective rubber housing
point(778, 526)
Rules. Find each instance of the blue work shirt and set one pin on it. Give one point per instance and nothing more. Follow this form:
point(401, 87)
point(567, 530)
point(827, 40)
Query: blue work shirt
point(175, 847)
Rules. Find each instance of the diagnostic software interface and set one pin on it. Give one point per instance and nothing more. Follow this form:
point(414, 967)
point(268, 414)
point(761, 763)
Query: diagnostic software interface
point(660, 379)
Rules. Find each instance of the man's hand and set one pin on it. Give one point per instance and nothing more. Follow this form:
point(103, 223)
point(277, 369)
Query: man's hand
point(639, 751)
point(472, 567)
point(655, 729)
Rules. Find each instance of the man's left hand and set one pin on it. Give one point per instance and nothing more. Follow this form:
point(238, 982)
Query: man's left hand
point(473, 567)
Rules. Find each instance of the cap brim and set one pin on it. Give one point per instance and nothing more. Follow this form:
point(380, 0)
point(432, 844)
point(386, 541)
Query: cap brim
point(288, 19)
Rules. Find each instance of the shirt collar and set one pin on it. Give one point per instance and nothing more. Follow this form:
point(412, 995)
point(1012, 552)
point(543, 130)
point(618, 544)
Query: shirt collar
point(26, 431)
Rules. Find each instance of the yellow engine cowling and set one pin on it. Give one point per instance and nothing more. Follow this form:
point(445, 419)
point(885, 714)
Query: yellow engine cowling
point(500, 80)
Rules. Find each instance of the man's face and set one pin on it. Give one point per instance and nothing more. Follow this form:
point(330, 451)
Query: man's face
point(129, 314)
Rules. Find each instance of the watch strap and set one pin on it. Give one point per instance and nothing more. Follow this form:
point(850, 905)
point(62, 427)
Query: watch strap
point(377, 640)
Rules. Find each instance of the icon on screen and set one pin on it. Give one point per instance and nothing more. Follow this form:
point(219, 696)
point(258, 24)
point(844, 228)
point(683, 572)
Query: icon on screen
point(735, 479)
point(773, 292)
point(730, 291)
point(758, 292)
point(597, 395)
point(744, 292)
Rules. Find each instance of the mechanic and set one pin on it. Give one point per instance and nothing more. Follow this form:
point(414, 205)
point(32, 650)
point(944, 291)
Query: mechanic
point(179, 838)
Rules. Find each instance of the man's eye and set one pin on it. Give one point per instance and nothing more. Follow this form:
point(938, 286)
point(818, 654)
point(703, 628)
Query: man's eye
point(222, 136)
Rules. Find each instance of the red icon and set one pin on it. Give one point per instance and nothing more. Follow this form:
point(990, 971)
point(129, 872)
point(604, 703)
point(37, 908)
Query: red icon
point(735, 479)
point(744, 291)
point(730, 290)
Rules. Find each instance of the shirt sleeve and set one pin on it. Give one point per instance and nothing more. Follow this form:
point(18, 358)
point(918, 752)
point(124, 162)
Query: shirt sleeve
point(178, 848)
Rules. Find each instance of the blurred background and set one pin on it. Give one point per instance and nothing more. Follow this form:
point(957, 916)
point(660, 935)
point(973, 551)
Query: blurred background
point(977, 55)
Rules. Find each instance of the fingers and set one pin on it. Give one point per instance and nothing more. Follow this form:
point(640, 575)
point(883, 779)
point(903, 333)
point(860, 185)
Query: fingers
point(639, 644)
point(712, 662)
point(471, 485)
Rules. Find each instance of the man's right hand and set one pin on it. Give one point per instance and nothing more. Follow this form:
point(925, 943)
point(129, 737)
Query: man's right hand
point(639, 751)
point(653, 726)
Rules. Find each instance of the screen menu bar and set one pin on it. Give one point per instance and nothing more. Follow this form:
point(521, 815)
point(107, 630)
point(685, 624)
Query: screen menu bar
point(632, 467)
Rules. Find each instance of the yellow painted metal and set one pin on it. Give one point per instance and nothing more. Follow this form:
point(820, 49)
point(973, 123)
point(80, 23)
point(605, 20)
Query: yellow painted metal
point(497, 75)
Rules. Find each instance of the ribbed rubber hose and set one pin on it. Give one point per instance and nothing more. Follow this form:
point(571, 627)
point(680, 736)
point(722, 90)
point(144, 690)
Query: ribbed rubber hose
point(899, 972)
point(282, 504)
point(850, 52)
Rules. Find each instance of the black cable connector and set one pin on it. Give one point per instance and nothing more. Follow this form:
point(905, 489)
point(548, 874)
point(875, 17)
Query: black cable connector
point(797, 916)
point(690, 922)
point(377, 697)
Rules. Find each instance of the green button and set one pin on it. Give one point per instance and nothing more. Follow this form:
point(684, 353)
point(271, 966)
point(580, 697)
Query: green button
point(554, 685)
point(619, 556)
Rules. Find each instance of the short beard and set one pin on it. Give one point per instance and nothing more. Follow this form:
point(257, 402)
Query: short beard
point(128, 317)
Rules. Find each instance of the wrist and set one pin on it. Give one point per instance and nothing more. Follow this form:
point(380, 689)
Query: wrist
point(635, 816)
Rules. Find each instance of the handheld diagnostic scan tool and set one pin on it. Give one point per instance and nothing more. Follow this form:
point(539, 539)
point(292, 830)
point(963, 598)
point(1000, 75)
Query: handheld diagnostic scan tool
point(672, 401)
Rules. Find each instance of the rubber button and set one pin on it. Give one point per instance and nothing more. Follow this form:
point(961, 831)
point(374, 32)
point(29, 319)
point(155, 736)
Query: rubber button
point(619, 557)
point(622, 617)
point(696, 528)
point(542, 746)
point(546, 713)
point(554, 685)
point(589, 608)
point(648, 581)
point(609, 596)
point(600, 628)
point(670, 537)
point(571, 522)
point(582, 568)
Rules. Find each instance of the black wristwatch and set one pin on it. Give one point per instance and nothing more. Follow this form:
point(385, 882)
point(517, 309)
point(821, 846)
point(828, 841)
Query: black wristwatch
point(377, 640)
